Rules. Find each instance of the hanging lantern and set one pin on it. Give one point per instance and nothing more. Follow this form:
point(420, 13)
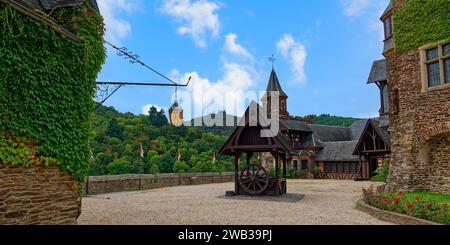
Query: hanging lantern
point(176, 112)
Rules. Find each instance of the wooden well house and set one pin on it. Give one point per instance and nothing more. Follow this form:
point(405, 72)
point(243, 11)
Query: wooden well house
point(255, 135)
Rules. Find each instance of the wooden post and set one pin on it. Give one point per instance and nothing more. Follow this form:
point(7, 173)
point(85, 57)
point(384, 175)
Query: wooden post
point(236, 175)
point(284, 165)
point(277, 165)
point(249, 156)
point(277, 174)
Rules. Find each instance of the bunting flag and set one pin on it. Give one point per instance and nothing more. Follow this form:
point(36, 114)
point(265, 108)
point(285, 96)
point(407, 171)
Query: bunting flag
point(92, 154)
point(179, 154)
point(142, 152)
point(214, 158)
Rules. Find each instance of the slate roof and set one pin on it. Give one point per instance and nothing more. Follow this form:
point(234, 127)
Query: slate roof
point(337, 143)
point(324, 133)
point(383, 121)
point(296, 125)
point(274, 84)
point(357, 129)
point(388, 9)
point(47, 5)
point(338, 151)
point(378, 72)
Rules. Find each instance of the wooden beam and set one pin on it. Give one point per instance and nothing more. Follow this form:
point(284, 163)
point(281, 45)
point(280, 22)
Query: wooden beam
point(236, 174)
point(42, 19)
point(277, 165)
point(284, 165)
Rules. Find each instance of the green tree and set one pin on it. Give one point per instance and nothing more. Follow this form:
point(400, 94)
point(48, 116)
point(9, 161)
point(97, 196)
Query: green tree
point(166, 164)
point(181, 167)
point(157, 118)
point(114, 129)
point(154, 169)
point(120, 166)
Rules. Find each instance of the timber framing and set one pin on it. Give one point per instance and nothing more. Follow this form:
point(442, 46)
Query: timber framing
point(42, 18)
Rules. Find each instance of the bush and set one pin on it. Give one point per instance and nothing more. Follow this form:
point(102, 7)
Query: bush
point(419, 207)
point(120, 166)
point(381, 173)
point(290, 173)
point(181, 167)
point(154, 169)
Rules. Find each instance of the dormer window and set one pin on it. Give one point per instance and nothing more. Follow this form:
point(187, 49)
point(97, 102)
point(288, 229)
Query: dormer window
point(388, 33)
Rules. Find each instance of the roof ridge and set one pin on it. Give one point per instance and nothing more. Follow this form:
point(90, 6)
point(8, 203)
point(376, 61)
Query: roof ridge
point(331, 126)
point(345, 141)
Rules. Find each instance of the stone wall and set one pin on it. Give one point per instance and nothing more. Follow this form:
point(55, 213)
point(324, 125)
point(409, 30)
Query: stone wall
point(38, 195)
point(417, 162)
point(118, 183)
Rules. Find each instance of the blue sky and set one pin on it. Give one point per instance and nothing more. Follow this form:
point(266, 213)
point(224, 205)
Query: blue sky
point(324, 50)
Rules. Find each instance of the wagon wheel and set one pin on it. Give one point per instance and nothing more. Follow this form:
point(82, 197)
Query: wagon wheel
point(254, 179)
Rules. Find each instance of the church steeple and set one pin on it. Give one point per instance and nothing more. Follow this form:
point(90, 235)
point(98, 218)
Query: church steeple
point(274, 86)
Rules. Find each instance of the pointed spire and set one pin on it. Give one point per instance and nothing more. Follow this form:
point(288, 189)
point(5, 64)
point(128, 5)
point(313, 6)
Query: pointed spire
point(274, 84)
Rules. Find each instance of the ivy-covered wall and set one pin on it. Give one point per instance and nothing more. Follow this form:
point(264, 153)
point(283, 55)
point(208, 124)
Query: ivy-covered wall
point(47, 83)
point(420, 22)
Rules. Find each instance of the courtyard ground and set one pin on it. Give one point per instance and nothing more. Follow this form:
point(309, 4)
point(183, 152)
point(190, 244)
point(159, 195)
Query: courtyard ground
point(329, 202)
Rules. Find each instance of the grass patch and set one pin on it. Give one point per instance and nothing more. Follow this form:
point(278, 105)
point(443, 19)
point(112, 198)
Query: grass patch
point(420, 204)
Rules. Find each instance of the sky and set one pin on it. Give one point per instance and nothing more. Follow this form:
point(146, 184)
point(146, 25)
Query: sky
point(323, 51)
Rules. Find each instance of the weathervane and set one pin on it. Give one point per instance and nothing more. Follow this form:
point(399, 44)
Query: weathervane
point(272, 59)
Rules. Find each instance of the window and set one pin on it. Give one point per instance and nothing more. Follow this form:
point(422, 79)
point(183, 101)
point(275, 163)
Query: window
point(435, 65)
point(388, 28)
point(353, 168)
point(385, 92)
point(446, 53)
point(304, 166)
point(346, 168)
point(327, 167)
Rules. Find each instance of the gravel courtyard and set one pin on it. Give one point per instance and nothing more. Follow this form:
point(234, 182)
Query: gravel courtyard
point(326, 202)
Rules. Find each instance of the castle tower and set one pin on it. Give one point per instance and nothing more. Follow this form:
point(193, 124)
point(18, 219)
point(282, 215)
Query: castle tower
point(418, 80)
point(274, 86)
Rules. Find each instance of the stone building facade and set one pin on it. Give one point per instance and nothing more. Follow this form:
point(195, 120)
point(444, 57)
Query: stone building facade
point(419, 99)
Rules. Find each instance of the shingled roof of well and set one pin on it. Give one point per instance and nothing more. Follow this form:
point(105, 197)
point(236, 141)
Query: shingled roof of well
point(378, 72)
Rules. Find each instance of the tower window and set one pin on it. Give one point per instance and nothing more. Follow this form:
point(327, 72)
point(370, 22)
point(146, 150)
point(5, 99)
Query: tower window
point(388, 28)
point(385, 98)
point(435, 60)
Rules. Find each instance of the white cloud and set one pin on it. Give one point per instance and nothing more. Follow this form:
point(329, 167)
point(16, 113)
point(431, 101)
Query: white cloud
point(295, 53)
point(234, 48)
point(228, 93)
point(198, 18)
point(116, 27)
point(146, 108)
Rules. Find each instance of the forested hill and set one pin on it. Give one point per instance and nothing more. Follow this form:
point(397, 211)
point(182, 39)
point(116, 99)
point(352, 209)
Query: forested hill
point(326, 119)
point(117, 137)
